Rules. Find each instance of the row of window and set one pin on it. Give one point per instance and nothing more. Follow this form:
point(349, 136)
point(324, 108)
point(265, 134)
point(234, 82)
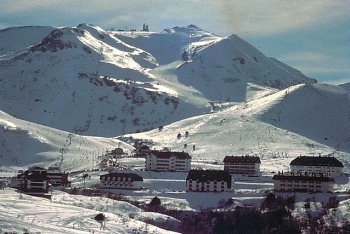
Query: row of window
point(303, 181)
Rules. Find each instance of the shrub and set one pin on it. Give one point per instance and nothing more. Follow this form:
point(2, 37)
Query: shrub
point(100, 217)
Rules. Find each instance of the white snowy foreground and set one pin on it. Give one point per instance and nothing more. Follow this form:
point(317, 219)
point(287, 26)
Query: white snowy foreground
point(74, 214)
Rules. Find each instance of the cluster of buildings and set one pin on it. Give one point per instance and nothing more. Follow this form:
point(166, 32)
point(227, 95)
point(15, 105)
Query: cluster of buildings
point(308, 174)
point(38, 180)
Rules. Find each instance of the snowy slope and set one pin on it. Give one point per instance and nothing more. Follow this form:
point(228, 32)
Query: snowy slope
point(216, 68)
point(318, 112)
point(73, 214)
point(24, 144)
point(221, 71)
point(277, 127)
point(94, 80)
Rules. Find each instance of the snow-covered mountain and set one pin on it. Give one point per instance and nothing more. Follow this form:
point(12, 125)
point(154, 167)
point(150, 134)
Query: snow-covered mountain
point(109, 83)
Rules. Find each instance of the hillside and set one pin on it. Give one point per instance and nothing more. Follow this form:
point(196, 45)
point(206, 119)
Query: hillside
point(318, 112)
point(88, 76)
point(24, 144)
point(298, 120)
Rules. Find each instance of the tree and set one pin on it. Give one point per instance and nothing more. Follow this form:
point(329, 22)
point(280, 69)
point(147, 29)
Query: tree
point(184, 56)
point(179, 136)
point(100, 217)
point(155, 202)
point(84, 177)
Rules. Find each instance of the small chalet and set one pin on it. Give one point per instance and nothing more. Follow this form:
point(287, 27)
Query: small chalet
point(209, 181)
point(328, 166)
point(121, 181)
point(302, 182)
point(242, 165)
point(167, 161)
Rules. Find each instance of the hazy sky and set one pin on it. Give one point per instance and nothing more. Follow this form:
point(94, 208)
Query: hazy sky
point(312, 36)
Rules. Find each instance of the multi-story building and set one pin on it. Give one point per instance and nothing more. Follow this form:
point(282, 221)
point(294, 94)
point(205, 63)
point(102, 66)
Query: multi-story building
point(167, 161)
point(328, 166)
point(243, 165)
point(209, 181)
point(302, 182)
point(121, 181)
point(36, 182)
point(53, 176)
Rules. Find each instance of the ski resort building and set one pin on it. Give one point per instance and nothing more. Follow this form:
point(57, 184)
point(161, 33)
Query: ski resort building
point(328, 166)
point(121, 181)
point(53, 176)
point(209, 181)
point(302, 182)
point(167, 161)
point(243, 165)
point(36, 182)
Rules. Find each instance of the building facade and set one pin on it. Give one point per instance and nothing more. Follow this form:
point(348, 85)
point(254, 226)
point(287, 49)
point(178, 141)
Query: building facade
point(242, 165)
point(167, 161)
point(328, 166)
point(121, 181)
point(209, 181)
point(53, 176)
point(297, 182)
point(57, 178)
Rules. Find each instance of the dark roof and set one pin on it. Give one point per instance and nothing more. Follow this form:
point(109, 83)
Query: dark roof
point(134, 177)
point(316, 161)
point(242, 159)
point(210, 175)
point(168, 154)
point(303, 177)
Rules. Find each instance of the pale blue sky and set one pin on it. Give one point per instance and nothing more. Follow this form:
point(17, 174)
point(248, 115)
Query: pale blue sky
point(312, 36)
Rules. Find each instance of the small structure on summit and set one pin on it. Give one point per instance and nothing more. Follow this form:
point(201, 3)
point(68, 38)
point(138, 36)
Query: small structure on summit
point(242, 165)
point(209, 181)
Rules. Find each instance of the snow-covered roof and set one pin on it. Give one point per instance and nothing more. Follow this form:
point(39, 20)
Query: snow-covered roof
point(316, 161)
point(210, 175)
point(168, 154)
point(242, 159)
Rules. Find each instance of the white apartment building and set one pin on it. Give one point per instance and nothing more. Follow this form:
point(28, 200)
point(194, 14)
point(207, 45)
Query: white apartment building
point(328, 166)
point(121, 181)
point(167, 161)
point(297, 182)
point(209, 181)
point(243, 165)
